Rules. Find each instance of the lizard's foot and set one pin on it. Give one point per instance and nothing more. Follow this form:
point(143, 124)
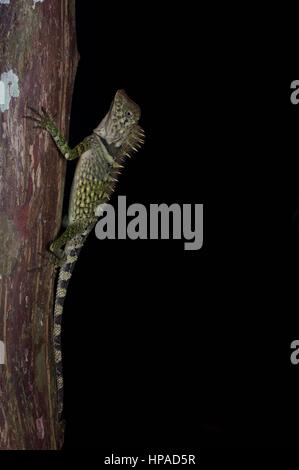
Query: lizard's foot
point(50, 259)
point(57, 255)
point(43, 119)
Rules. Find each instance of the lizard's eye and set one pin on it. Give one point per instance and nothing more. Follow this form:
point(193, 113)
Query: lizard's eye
point(129, 114)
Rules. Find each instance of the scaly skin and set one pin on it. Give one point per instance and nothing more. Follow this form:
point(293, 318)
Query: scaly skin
point(100, 157)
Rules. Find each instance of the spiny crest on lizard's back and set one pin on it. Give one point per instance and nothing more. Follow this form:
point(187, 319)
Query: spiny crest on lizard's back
point(119, 128)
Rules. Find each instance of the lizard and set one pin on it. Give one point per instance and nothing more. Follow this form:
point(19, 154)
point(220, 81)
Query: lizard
point(100, 155)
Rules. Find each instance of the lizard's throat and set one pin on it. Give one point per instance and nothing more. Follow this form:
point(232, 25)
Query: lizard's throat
point(109, 133)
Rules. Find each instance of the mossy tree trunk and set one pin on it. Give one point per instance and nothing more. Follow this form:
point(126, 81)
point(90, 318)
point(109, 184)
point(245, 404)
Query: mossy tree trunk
point(38, 60)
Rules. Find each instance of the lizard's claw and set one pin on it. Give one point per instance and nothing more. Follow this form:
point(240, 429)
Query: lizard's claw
point(43, 118)
point(51, 259)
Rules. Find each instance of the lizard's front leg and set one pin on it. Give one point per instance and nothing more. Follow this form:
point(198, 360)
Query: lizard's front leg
point(45, 121)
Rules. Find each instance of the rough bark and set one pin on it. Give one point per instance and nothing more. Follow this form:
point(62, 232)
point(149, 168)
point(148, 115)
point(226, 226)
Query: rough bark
point(38, 59)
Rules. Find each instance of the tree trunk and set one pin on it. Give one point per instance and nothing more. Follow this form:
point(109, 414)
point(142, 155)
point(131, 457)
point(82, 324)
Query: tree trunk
point(38, 60)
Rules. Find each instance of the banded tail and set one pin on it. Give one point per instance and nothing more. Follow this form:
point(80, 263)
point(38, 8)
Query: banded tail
point(71, 252)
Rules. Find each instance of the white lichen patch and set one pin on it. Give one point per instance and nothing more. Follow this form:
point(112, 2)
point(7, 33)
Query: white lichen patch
point(2, 353)
point(9, 89)
point(5, 2)
point(2, 93)
point(35, 2)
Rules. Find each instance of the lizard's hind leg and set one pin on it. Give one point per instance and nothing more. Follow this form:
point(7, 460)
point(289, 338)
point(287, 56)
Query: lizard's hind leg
point(71, 231)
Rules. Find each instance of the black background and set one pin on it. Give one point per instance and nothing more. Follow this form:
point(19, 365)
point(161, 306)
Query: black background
point(169, 349)
point(135, 359)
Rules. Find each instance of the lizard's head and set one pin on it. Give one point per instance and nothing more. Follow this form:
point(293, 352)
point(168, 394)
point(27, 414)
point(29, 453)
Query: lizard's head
point(119, 126)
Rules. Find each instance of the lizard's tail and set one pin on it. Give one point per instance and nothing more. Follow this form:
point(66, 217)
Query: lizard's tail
point(65, 273)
